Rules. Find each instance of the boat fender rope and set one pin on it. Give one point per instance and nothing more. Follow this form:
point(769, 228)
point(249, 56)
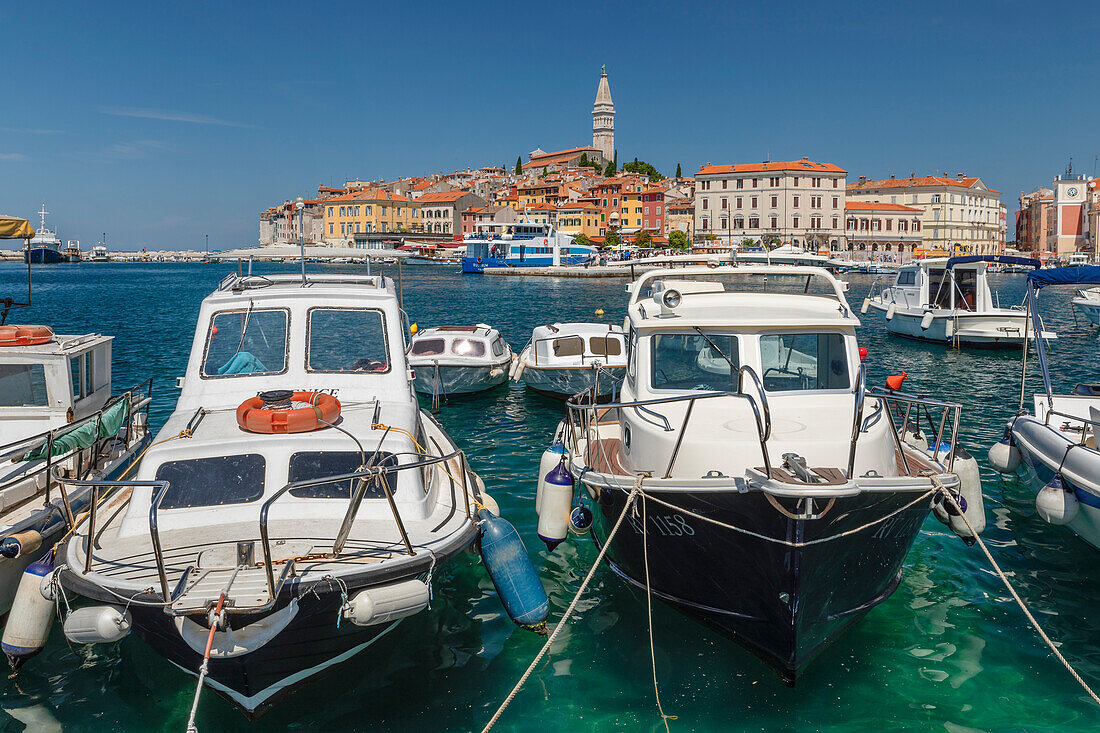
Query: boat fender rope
point(1016, 596)
point(630, 499)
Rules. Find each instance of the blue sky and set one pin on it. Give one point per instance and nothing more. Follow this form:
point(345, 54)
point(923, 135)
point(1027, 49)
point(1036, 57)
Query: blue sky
point(159, 123)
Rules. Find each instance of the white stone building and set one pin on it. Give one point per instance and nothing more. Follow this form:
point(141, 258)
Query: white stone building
point(961, 215)
point(798, 202)
point(603, 118)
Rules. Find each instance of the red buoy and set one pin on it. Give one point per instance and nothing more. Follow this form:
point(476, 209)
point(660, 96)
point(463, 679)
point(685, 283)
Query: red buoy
point(894, 382)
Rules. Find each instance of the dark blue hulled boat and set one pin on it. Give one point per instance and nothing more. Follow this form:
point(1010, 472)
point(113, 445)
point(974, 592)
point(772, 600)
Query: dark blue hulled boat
point(45, 247)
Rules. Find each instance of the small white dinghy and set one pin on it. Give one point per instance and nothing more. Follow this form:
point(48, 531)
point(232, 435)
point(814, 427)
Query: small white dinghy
point(565, 359)
point(949, 301)
point(450, 360)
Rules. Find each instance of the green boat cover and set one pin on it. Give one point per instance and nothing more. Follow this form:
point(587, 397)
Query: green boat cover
point(106, 426)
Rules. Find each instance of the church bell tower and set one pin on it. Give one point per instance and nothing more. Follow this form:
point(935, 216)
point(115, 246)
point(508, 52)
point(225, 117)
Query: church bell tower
point(603, 118)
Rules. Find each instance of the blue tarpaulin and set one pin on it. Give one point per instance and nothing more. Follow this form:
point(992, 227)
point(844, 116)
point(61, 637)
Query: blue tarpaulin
point(1085, 275)
point(1002, 259)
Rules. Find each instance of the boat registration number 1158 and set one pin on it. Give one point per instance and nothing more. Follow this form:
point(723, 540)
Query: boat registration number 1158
point(666, 525)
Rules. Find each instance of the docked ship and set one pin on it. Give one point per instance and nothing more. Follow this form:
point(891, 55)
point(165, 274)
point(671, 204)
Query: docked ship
point(45, 247)
point(99, 253)
point(522, 244)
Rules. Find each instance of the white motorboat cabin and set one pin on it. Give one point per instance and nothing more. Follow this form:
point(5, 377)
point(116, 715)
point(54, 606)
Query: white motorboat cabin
point(49, 385)
point(573, 344)
point(458, 344)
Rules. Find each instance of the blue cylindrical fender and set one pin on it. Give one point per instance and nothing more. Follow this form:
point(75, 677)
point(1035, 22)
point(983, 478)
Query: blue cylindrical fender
point(512, 573)
point(31, 614)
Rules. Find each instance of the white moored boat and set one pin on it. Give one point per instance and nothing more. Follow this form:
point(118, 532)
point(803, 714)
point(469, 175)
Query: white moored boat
point(296, 504)
point(1088, 302)
point(564, 359)
point(781, 497)
point(451, 360)
point(1057, 448)
point(948, 300)
point(56, 413)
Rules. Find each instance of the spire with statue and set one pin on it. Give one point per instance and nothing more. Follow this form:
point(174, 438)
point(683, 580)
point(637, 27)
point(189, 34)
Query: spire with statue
point(603, 118)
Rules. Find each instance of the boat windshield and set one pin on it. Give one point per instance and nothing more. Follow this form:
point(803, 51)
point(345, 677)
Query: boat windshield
point(347, 340)
point(244, 342)
point(428, 347)
point(803, 361)
point(468, 347)
point(23, 385)
point(694, 361)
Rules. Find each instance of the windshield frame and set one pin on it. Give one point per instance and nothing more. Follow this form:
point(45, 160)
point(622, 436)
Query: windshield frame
point(385, 340)
point(852, 376)
point(230, 311)
point(651, 356)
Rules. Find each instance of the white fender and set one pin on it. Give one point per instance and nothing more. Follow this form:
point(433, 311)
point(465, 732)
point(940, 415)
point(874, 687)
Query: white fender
point(926, 320)
point(557, 503)
point(970, 488)
point(890, 312)
point(550, 458)
point(98, 624)
point(865, 306)
point(949, 327)
point(235, 642)
point(513, 366)
point(1055, 503)
point(386, 603)
point(31, 615)
point(1004, 457)
point(519, 371)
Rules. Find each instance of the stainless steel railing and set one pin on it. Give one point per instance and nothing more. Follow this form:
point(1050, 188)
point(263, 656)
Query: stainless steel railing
point(948, 413)
point(161, 488)
point(586, 414)
point(138, 398)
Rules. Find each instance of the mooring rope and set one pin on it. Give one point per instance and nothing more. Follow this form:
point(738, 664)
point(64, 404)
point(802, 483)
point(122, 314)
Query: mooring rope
point(649, 614)
point(1015, 595)
point(788, 543)
point(568, 611)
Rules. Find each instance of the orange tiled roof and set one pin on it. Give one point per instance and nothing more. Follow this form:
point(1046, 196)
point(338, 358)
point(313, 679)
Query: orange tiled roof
point(368, 194)
point(442, 198)
point(804, 165)
point(558, 156)
point(918, 182)
point(876, 206)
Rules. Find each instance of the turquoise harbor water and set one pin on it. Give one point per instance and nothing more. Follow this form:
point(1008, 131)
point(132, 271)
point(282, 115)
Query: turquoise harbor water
point(949, 651)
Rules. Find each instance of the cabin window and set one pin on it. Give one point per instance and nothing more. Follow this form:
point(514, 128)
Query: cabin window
point(245, 342)
point(23, 385)
point(803, 361)
point(468, 347)
point(428, 347)
point(213, 481)
point(966, 293)
point(605, 346)
point(571, 346)
point(939, 288)
point(347, 340)
point(89, 373)
point(907, 277)
point(75, 368)
point(498, 347)
point(319, 464)
point(694, 361)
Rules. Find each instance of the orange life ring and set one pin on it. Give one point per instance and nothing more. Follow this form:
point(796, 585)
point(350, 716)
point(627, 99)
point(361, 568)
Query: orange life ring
point(255, 418)
point(479, 260)
point(25, 335)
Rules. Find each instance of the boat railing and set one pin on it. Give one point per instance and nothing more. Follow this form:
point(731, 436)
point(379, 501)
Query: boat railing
point(138, 399)
point(857, 421)
point(1068, 426)
point(942, 420)
point(586, 415)
point(364, 476)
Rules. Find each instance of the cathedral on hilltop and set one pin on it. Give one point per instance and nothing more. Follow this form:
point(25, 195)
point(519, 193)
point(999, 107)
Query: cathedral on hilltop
point(602, 150)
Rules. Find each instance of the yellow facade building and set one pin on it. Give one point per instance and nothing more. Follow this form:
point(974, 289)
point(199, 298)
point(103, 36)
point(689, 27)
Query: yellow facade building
point(368, 210)
point(579, 218)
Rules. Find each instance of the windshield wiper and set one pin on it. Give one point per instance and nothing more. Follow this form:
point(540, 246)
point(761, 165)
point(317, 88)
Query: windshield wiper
point(733, 367)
